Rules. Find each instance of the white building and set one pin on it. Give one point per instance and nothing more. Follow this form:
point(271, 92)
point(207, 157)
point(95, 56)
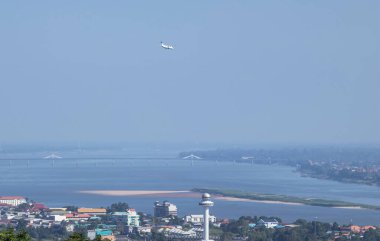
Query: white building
point(12, 200)
point(166, 209)
point(133, 219)
point(198, 218)
point(144, 230)
point(70, 228)
point(59, 218)
point(268, 223)
point(10, 216)
point(177, 233)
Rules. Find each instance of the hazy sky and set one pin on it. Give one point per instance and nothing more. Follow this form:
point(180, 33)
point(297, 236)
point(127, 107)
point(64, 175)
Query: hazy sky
point(242, 71)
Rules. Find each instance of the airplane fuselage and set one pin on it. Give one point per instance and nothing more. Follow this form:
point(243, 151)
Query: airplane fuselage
point(166, 46)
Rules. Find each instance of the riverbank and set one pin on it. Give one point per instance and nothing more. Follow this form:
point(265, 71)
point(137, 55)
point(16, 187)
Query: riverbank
point(341, 179)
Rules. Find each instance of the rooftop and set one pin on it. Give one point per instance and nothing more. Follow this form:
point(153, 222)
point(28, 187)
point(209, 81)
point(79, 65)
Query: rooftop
point(11, 197)
point(92, 210)
point(72, 215)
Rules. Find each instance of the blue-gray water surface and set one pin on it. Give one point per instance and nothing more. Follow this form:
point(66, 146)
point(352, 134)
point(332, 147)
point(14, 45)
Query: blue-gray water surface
point(57, 182)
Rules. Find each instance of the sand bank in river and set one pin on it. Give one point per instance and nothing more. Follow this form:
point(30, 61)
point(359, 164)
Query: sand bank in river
point(128, 193)
point(187, 194)
point(168, 193)
point(236, 199)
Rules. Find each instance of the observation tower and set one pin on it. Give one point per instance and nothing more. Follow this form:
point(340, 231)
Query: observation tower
point(206, 203)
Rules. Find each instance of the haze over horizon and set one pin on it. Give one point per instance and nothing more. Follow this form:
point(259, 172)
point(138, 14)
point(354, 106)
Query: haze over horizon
point(241, 71)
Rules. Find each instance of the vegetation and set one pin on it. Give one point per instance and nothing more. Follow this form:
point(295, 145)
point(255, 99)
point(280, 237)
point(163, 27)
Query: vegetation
point(42, 233)
point(303, 231)
point(77, 237)
point(23, 207)
point(118, 207)
point(11, 235)
point(241, 226)
point(158, 236)
point(82, 237)
point(284, 198)
point(71, 208)
point(362, 173)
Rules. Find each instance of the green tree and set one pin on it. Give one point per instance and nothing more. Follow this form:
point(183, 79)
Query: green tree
point(71, 208)
point(262, 234)
point(118, 207)
point(226, 236)
point(77, 237)
point(335, 226)
point(23, 207)
point(158, 237)
point(371, 235)
point(215, 231)
point(174, 220)
point(21, 224)
point(81, 237)
point(99, 238)
point(240, 227)
point(10, 235)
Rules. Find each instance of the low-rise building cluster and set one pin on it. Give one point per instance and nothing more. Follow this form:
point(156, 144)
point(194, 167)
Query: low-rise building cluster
point(128, 222)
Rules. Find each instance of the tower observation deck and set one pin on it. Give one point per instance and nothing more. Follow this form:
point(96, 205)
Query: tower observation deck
point(206, 203)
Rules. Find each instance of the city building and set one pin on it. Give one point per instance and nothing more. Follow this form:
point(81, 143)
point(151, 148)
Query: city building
point(177, 233)
point(58, 211)
point(121, 214)
point(77, 217)
point(166, 209)
point(198, 219)
point(357, 229)
point(59, 218)
point(38, 207)
point(133, 219)
point(103, 233)
point(92, 211)
point(12, 200)
point(268, 223)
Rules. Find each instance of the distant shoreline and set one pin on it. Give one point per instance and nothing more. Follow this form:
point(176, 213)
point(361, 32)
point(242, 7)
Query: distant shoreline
point(341, 180)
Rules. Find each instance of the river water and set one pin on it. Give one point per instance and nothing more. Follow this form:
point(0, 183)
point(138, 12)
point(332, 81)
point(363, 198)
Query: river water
point(58, 182)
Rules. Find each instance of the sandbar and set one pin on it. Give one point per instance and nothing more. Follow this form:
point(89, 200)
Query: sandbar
point(237, 199)
point(174, 194)
point(128, 193)
point(186, 194)
point(350, 207)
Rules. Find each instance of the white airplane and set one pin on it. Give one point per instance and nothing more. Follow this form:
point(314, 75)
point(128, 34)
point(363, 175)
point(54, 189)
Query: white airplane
point(166, 46)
